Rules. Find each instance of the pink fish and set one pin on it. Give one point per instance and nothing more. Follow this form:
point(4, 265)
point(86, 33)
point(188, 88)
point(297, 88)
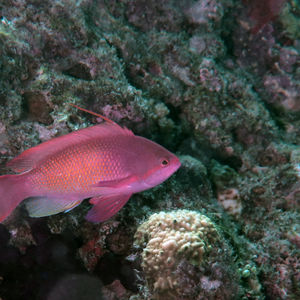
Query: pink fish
point(105, 162)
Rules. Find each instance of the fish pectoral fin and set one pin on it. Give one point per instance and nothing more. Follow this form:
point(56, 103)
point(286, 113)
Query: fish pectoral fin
point(113, 185)
point(106, 206)
point(47, 206)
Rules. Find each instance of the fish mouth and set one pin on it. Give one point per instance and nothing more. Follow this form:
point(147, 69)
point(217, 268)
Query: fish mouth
point(162, 175)
point(177, 164)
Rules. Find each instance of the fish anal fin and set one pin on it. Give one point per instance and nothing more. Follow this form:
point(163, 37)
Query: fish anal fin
point(47, 206)
point(106, 206)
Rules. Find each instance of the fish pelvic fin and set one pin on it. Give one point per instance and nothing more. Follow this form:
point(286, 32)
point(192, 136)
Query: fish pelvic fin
point(105, 207)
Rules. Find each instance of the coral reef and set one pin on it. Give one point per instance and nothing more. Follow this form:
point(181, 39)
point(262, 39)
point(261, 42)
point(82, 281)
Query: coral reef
point(215, 82)
point(264, 12)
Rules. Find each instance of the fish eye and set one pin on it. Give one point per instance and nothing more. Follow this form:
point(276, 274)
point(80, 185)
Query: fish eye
point(164, 162)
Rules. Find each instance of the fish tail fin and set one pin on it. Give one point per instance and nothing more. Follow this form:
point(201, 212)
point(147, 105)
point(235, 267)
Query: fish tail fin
point(12, 191)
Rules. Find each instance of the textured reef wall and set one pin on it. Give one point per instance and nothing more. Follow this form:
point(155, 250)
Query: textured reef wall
point(216, 82)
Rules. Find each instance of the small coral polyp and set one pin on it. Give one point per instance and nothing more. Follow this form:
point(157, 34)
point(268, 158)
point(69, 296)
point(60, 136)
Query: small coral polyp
point(167, 239)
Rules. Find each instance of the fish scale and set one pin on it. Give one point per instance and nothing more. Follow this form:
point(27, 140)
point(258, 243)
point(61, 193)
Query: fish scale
point(78, 167)
point(105, 162)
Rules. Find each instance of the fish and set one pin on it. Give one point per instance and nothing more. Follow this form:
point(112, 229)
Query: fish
point(105, 162)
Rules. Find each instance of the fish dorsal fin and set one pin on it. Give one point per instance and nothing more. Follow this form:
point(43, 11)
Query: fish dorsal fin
point(93, 113)
point(30, 158)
